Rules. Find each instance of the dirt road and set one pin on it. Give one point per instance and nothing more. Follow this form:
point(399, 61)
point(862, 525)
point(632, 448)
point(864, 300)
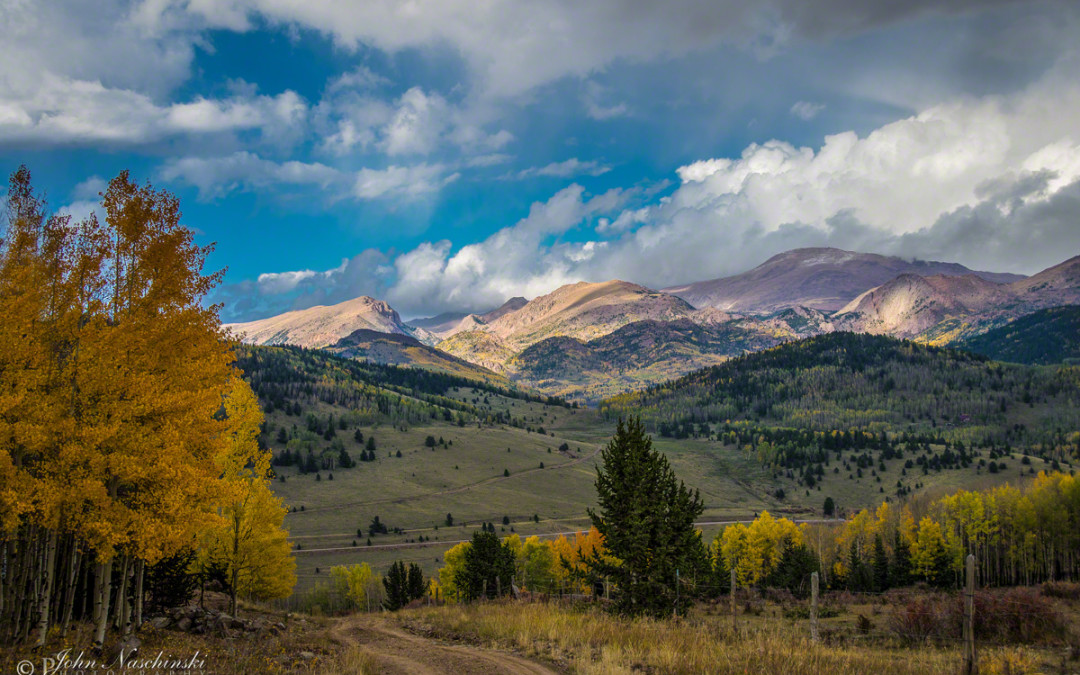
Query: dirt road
point(400, 653)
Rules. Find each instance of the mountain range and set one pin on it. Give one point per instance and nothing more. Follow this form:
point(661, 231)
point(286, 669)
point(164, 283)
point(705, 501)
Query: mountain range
point(591, 340)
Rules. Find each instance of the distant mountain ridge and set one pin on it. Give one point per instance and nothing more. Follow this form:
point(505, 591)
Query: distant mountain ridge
point(944, 310)
point(323, 325)
point(820, 278)
point(590, 340)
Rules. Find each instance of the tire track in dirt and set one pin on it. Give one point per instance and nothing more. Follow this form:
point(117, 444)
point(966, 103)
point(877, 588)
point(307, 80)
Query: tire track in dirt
point(401, 653)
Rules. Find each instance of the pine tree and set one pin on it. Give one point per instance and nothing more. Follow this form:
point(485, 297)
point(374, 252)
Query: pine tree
point(879, 561)
point(396, 583)
point(487, 563)
point(417, 583)
point(900, 571)
point(646, 518)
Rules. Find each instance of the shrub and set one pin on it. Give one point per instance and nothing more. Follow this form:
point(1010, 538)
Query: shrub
point(1061, 589)
point(922, 618)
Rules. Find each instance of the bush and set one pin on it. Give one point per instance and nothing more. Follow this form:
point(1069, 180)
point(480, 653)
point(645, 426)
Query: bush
point(1062, 590)
point(1014, 615)
point(922, 618)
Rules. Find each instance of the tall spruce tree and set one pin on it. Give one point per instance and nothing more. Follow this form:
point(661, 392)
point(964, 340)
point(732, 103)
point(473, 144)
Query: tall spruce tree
point(647, 519)
point(489, 564)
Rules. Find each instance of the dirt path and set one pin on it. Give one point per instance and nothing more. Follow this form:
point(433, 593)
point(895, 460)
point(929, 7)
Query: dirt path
point(400, 653)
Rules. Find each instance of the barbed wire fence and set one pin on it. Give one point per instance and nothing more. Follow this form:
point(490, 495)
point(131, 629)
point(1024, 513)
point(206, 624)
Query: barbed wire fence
point(969, 619)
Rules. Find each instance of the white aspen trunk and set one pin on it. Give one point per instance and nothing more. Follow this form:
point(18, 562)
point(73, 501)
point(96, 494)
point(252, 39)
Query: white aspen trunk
point(45, 598)
point(121, 595)
point(30, 585)
point(102, 583)
point(73, 579)
point(4, 572)
point(140, 567)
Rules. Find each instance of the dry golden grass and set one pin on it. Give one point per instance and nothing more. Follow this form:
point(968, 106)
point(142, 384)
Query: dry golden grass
point(591, 642)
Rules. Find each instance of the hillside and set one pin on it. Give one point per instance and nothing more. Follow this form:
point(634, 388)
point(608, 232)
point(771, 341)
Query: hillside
point(910, 304)
point(324, 325)
point(403, 350)
point(1044, 337)
point(448, 324)
point(639, 354)
point(820, 278)
point(583, 311)
point(854, 381)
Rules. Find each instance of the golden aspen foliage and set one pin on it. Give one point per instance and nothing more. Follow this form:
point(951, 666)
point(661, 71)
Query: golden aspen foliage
point(453, 570)
point(754, 550)
point(250, 543)
point(355, 582)
point(119, 407)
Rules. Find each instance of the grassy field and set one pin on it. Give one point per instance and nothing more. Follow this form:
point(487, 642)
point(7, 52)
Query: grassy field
point(466, 478)
point(766, 639)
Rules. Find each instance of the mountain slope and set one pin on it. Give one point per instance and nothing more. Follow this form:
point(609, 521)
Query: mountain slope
point(584, 311)
point(1057, 285)
point(450, 323)
point(859, 381)
point(819, 278)
point(403, 350)
point(911, 304)
point(323, 325)
point(1044, 337)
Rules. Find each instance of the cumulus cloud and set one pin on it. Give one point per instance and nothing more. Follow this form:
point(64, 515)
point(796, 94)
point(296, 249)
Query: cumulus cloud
point(368, 273)
point(515, 46)
point(416, 125)
point(97, 74)
point(992, 182)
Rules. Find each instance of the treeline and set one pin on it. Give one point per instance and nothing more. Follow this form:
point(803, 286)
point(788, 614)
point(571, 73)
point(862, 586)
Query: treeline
point(486, 566)
point(1018, 537)
point(127, 437)
point(286, 376)
point(806, 455)
point(875, 383)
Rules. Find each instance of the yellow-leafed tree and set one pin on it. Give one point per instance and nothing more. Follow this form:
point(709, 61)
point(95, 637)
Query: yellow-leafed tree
point(251, 546)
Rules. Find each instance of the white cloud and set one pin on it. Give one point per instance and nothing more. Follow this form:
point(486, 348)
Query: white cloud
point(218, 176)
point(514, 46)
point(806, 110)
point(416, 125)
point(596, 107)
point(993, 183)
point(101, 73)
point(59, 110)
point(566, 169)
point(283, 282)
point(401, 181)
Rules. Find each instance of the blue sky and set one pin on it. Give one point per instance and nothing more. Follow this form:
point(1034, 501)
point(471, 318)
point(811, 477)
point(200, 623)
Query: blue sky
point(448, 155)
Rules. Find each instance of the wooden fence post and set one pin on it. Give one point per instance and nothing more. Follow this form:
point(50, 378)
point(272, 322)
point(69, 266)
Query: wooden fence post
point(498, 587)
point(971, 666)
point(485, 589)
point(734, 609)
point(813, 606)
